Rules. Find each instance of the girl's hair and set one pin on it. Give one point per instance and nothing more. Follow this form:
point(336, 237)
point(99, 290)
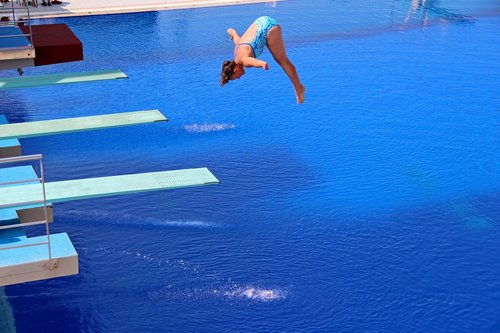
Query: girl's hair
point(227, 71)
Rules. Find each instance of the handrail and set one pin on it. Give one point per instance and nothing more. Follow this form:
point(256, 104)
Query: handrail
point(20, 181)
point(41, 179)
point(26, 224)
point(18, 35)
point(11, 22)
point(16, 48)
point(20, 158)
point(20, 246)
point(23, 203)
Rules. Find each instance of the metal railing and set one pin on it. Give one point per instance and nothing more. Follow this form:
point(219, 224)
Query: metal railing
point(15, 21)
point(43, 200)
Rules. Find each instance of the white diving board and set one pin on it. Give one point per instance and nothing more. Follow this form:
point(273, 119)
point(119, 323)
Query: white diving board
point(68, 190)
point(68, 125)
point(60, 78)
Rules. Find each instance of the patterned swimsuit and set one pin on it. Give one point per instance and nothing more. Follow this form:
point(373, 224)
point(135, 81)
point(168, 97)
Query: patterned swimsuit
point(264, 24)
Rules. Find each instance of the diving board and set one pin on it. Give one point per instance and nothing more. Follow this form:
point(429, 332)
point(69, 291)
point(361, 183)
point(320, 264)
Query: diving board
point(69, 190)
point(68, 125)
point(60, 78)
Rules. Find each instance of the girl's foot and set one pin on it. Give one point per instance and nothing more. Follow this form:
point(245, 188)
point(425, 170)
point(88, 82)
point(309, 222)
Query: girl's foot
point(299, 92)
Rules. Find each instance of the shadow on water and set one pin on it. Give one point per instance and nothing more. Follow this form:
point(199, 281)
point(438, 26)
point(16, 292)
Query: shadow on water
point(6, 318)
point(13, 108)
point(47, 317)
point(470, 214)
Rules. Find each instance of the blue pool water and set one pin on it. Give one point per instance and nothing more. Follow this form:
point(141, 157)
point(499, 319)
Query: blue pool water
point(373, 207)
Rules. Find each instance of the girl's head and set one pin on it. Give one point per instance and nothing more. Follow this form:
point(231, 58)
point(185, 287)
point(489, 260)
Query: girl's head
point(230, 71)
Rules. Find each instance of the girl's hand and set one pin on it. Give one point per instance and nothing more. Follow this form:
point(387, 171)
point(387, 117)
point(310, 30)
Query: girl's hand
point(230, 31)
point(265, 66)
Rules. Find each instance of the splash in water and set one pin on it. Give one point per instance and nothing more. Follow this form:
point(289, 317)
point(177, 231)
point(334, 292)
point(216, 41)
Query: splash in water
point(229, 293)
point(200, 128)
point(256, 293)
point(197, 284)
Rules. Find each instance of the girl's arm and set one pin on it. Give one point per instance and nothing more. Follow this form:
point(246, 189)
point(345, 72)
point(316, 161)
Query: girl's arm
point(233, 36)
point(252, 62)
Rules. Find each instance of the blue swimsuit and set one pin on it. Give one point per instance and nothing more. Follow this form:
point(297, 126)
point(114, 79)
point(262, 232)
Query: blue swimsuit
point(264, 24)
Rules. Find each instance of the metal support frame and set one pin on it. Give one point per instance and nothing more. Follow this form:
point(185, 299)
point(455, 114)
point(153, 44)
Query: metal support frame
point(28, 158)
point(16, 22)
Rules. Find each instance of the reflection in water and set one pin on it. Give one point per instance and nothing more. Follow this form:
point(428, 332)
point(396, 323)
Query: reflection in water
point(390, 15)
point(181, 28)
point(6, 317)
point(431, 9)
point(13, 107)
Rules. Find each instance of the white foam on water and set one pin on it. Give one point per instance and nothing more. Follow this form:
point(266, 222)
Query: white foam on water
point(257, 293)
point(174, 223)
point(193, 224)
point(229, 293)
point(201, 128)
point(128, 219)
point(210, 286)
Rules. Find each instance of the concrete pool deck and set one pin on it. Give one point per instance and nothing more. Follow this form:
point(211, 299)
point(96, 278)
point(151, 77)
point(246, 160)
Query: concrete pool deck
point(101, 7)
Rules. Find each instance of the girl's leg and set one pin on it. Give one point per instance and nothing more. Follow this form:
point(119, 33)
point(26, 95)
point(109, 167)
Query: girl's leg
point(276, 46)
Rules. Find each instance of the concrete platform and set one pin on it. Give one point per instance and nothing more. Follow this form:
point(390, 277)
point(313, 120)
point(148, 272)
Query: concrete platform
point(9, 147)
point(54, 44)
point(31, 263)
point(25, 264)
point(15, 52)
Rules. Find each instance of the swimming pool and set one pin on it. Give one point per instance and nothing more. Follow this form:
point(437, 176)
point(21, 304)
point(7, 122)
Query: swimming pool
point(373, 207)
